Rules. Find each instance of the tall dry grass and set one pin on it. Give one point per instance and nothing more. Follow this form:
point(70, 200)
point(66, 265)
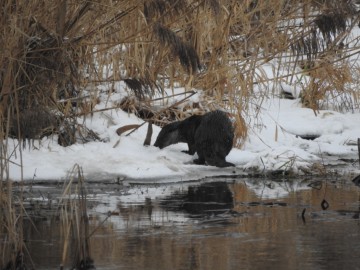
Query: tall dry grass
point(75, 222)
point(12, 245)
point(52, 50)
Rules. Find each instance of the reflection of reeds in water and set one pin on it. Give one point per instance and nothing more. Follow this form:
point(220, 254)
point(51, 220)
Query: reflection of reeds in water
point(12, 245)
point(75, 222)
point(72, 211)
point(11, 230)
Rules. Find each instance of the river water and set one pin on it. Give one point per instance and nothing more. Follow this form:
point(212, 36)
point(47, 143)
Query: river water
point(208, 224)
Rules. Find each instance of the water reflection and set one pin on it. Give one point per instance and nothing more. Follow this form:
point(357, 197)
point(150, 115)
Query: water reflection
point(201, 200)
point(237, 224)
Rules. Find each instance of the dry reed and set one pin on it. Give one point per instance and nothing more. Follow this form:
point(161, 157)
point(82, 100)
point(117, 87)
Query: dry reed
point(75, 222)
point(12, 244)
point(216, 46)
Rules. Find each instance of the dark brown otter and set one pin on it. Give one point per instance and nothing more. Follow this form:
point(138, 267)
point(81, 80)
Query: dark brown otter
point(210, 135)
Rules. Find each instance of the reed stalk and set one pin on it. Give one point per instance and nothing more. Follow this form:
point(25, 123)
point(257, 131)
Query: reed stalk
point(75, 222)
point(220, 47)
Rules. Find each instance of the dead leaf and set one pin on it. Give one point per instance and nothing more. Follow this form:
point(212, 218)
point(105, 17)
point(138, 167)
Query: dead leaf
point(123, 129)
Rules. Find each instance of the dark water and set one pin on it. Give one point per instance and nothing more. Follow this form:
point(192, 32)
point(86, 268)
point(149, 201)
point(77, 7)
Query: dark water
point(214, 224)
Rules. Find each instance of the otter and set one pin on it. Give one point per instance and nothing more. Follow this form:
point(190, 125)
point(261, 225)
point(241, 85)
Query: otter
point(180, 131)
point(210, 136)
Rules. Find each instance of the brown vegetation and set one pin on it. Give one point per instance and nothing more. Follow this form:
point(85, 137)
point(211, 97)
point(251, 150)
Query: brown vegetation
point(52, 50)
point(75, 222)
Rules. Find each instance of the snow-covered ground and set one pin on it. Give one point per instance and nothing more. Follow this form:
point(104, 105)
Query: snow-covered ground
point(272, 144)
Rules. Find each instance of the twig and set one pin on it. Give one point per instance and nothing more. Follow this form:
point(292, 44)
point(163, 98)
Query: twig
point(101, 110)
point(136, 128)
point(180, 101)
point(173, 105)
point(359, 149)
point(184, 93)
point(73, 99)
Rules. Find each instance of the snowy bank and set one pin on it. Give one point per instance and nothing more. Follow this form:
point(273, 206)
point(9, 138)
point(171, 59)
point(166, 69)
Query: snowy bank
point(274, 143)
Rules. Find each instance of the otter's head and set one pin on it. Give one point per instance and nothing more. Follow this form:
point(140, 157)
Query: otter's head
point(168, 135)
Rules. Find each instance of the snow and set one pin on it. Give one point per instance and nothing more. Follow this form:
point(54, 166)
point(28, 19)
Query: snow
point(124, 157)
point(273, 142)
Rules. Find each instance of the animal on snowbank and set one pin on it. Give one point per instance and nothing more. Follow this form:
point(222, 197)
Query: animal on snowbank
point(210, 136)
